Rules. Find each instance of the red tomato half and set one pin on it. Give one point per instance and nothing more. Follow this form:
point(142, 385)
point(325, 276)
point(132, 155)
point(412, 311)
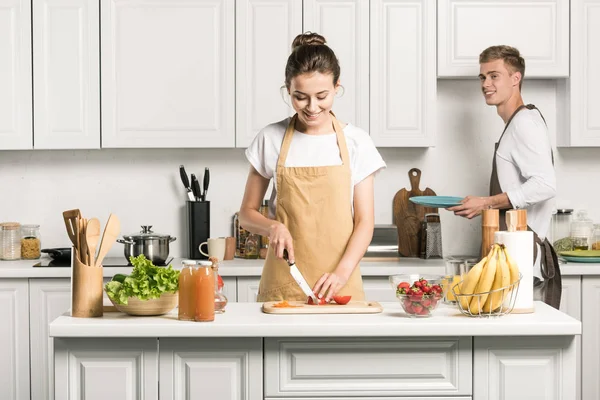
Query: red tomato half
point(342, 299)
point(311, 302)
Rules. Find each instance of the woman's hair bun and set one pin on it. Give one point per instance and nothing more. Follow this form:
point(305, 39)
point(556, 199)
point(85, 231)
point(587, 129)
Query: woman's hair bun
point(308, 39)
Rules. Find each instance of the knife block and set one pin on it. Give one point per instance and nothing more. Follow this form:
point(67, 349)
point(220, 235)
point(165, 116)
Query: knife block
point(86, 289)
point(198, 227)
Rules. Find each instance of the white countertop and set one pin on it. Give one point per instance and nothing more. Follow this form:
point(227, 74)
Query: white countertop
point(241, 267)
point(247, 320)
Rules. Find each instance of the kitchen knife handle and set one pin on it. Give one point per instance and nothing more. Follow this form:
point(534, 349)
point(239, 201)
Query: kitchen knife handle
point(196, 188)
point(286, 257)
point(184, 177)
point(206, 182)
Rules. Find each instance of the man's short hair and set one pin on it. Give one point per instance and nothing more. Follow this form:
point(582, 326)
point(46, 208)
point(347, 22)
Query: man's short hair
point(511, 57)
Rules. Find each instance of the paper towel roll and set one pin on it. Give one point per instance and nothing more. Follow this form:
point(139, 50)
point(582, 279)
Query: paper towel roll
point(520, 247)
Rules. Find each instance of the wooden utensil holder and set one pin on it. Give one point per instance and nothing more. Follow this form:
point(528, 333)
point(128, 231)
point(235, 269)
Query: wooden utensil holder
point(490, 224)
point(86, 289)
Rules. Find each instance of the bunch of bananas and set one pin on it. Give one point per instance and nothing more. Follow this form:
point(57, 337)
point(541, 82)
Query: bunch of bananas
point(495, 271)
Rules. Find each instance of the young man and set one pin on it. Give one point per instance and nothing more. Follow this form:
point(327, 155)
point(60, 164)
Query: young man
point(523, 169)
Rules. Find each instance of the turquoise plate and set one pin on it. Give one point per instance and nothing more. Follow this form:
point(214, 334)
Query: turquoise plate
point(581, 259)
point(436, 201)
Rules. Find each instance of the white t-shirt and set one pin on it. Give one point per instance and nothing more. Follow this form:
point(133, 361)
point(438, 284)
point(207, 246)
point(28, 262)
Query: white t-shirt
point(312, 151)
point(526, 173)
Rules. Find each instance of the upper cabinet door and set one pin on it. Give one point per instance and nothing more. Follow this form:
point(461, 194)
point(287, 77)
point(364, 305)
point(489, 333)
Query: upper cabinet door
point(467, 27)
point(403, 79)
point(345, 26)
point(265, 30)
point(582, 121)
point(15, 75)
point(168, 73)
point(66, 73)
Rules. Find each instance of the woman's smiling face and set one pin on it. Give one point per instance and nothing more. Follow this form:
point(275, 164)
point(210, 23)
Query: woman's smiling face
point(312, 97)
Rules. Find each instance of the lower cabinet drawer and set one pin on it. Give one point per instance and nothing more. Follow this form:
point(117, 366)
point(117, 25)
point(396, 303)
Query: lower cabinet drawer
point(371, 398)
point(373, 367)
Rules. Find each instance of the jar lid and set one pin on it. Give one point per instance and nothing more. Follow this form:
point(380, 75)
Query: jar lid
point(205, 263)
point(30, 226)
point(564, 211)
point(145, 233)
point(188, 262)
point(9, 226)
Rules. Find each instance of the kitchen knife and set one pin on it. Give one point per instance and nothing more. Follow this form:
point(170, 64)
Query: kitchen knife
point(196, 188)
point(297, 275)
point(186, 182)
point(206, 182)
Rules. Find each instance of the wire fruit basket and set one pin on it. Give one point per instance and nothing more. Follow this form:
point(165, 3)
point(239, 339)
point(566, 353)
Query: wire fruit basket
point(472, 305)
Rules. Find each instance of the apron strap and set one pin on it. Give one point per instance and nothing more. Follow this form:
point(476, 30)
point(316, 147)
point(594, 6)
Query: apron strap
point(285, 145)
point(550, 271)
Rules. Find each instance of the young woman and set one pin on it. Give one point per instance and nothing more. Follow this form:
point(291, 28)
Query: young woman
point(321, 208)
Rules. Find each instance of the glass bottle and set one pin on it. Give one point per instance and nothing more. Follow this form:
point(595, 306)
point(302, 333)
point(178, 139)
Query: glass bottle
point(187, 291)
point(252, 246)
point(220, 298)
point(581, 231)
point(11, 240)
point(30, 242)
point(205, 292)
point(596, 237)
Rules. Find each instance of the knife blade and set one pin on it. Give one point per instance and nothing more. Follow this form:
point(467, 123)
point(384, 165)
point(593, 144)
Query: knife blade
point(297, 275)
point(196, 188)
point(186, 183)
point(205, 183)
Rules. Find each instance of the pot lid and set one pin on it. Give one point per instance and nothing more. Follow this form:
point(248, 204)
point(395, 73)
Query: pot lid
point(146, 233)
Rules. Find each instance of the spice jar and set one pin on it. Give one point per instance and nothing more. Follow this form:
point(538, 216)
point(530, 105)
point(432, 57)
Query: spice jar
point(581, 231)
point(11, 240)
point(187, 291)
point(596, 237)
point(252, 246)
point(560, 234)
point(30, 242)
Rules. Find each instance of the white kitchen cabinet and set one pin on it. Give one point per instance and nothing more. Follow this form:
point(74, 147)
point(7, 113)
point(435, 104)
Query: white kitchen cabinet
point(590, 344)
point(524, 368)
point(247, 288)
point(570, 301)
point(211, 368)
point(168, 73)
point(15, 75)
point(538, 28)
point(14, 338)
point(265, 30)
point(378, 289)
point(48, 299)
point(579, 119)
point(99, 369)
point(66, 74)
point(367, 367)
point(230, 288)
point(403, 86)
point(345, 26)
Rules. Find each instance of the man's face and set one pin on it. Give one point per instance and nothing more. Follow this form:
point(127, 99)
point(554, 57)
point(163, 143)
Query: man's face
point(498, 83)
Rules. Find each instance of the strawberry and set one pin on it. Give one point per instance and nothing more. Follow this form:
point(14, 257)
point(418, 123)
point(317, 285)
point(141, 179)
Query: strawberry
point(403, 285)
point(409, 309)
point(427, 289)
point(409, 292)
point(423, 281)
point(417, 308)
point(424, 311)
point(426, 302)
point(417, 284)
point(417, 295)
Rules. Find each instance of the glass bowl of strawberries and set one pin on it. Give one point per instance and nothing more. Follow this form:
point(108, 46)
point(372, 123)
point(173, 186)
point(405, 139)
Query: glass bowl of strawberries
point(419, 295)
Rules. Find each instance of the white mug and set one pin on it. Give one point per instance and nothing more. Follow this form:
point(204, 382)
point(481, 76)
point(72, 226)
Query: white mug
point(215, 248)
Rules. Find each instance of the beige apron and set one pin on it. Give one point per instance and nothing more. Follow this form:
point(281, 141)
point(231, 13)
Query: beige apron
point(314, 203)
point(549, 261)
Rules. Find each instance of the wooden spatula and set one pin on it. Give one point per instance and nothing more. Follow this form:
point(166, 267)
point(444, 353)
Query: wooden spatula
point(72, 225)
point(92, 237)
point(83, 253)
point(110, 235)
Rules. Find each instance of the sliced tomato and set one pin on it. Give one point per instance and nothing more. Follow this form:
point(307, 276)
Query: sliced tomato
point(342, 299)
point(311, 302)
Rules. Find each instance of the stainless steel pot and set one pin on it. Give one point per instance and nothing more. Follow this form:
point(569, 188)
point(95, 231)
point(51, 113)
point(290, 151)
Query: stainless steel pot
point(153, 245)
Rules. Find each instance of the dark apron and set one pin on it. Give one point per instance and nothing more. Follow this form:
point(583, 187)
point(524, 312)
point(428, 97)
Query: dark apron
point(549, 260)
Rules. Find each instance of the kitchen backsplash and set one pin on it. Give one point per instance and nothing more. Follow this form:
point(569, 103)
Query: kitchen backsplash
point(142, 186)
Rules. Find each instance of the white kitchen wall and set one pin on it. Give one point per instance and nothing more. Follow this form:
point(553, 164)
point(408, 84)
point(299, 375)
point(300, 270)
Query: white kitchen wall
point(143, 187)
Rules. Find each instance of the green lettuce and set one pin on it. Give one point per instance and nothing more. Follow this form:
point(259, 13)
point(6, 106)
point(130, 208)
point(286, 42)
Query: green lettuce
point(146, 281)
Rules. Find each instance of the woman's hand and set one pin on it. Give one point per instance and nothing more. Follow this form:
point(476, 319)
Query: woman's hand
point(330, 284)
point(280, 238)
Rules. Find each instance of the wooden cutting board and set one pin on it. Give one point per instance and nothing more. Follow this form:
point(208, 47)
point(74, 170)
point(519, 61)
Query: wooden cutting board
point(353, 307)
point(408, 216)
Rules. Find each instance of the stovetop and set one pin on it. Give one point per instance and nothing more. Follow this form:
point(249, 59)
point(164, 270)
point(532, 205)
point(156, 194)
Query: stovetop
point(108, 263)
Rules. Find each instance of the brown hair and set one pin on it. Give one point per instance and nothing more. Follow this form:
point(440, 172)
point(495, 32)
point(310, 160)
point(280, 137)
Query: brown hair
point(311, 54)
point(511, 57)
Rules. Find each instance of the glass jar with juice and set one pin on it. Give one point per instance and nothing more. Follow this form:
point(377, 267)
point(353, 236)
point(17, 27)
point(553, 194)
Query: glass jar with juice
point(187, 291)
point(456, 268)
point(205, 292)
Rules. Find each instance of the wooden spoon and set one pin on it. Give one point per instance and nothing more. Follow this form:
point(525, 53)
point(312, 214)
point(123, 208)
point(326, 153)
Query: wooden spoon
point(92, 237)
point(83, 253)
point(111, 232)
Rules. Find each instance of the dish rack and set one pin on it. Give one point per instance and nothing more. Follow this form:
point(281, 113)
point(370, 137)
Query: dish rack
point(508, 299)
